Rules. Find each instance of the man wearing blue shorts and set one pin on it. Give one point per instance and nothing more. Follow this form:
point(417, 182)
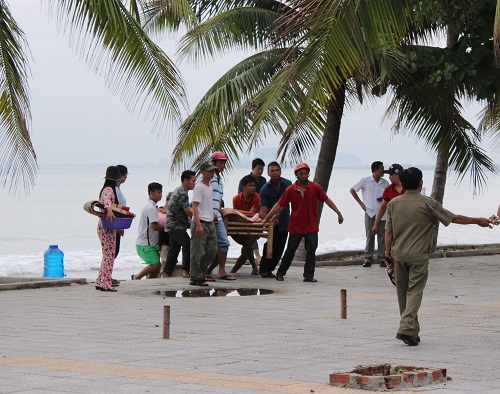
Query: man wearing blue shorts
point(147, 240)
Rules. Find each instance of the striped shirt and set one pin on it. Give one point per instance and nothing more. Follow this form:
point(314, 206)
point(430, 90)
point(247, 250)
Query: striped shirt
point(217, 194)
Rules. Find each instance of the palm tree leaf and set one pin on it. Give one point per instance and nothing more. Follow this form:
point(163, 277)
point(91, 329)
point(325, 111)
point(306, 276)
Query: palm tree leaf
point(18, 164)
point(435, 116)
point(160, 16)
point(240, 28)
point(111, 39)
point(207, 9)
point(224, 114)
point(490, 122)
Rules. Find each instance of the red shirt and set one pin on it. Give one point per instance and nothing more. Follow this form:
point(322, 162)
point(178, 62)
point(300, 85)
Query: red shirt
point(390, 192)
point(238, 202)
point(304, 216)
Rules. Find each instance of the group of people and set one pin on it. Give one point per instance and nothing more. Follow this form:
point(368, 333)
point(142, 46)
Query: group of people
point(207, 246)
point(376, 194)
point(405, 222)
point(398, 213)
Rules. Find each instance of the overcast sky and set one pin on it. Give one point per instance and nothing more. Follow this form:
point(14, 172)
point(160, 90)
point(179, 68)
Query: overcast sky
point(78, 121)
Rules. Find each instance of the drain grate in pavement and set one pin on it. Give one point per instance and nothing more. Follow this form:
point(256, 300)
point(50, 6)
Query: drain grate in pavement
point(383, 377)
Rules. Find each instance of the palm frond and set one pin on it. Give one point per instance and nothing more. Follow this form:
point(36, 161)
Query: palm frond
point(227, 109)
point(112, 40)
point(18, 159)
point(490, 122)
point(160, 16)
point(300, 138)
point(206, 9)
point(435, 116)
point(235, 29)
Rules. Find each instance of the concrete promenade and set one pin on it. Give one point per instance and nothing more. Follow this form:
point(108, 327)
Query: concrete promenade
point(75, 339)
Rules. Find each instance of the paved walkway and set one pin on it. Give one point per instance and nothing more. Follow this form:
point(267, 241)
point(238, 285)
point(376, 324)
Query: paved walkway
point(75, 339)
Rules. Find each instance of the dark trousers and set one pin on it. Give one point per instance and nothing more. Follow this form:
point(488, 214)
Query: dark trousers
point(178, 239)
point(311, 244)
point(118, 239)
point(279, 242)
point(411, 279)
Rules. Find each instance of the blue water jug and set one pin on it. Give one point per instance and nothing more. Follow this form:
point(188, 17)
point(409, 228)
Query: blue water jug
point(53, 262)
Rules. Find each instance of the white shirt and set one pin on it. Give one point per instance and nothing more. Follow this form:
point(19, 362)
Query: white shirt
point(149, 214)
point(120, 197)
point(371, 191)
point(203, 194)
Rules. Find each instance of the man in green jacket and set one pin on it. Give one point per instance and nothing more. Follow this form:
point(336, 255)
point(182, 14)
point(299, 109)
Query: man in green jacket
point(412, 221)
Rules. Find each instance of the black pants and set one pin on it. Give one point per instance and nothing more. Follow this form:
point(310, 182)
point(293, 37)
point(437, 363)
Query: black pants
point(118, 238)
point(311, 244)
point(178, 239)
point(279, 241)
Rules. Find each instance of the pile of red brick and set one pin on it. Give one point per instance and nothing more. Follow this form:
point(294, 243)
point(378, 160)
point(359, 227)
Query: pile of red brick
point(383, 377)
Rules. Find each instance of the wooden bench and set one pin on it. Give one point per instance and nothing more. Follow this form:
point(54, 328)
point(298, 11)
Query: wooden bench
point(245, 232)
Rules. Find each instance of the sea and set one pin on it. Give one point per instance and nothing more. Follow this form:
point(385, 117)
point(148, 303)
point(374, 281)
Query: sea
point(53, 213)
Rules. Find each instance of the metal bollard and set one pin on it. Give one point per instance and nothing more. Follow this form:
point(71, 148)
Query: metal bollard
point(343, 304)
point(166, 322)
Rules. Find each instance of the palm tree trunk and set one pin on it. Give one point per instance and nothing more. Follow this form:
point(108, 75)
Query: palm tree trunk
point(439, 183)
point(442, 159)
point(329, 142)
point(438, 186)
point(440, 173)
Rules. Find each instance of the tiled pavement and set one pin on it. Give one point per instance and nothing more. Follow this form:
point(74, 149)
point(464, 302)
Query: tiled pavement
point(75, 339)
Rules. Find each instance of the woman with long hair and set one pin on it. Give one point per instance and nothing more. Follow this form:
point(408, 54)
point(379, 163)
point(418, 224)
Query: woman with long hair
point(107, 196)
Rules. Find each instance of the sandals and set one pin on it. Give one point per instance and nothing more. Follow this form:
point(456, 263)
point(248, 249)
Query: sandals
point(110, 289)
point(225, 277)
